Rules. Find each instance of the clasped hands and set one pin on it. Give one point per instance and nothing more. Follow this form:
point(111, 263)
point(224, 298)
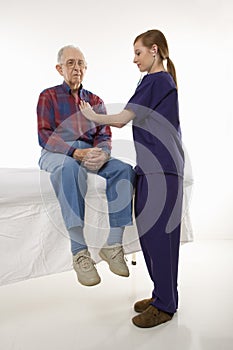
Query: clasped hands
point(92, 158)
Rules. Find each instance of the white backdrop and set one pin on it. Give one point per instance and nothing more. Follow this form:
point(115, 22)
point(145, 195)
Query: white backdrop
point(199, 34)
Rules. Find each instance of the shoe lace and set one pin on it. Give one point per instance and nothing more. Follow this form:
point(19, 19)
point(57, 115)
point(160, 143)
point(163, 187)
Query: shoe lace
point(118, 255)
point(84, 261)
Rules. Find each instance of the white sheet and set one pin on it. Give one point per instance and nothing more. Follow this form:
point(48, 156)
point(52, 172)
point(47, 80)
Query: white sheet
point(33, 238)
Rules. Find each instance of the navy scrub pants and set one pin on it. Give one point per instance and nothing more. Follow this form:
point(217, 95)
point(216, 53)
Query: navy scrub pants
point(158, 208)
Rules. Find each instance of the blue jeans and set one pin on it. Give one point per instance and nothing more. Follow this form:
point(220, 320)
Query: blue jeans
point(69, 177)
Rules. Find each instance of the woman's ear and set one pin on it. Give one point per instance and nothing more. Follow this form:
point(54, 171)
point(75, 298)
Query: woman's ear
point(154, 49)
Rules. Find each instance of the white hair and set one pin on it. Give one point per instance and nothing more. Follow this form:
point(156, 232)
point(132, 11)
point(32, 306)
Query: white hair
point(60, 52)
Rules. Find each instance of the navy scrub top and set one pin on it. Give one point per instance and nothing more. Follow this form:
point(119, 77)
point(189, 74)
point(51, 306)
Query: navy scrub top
point(156, 126)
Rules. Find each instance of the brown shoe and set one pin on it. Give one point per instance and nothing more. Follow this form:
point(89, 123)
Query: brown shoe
point(151, 317)
point(142, 305)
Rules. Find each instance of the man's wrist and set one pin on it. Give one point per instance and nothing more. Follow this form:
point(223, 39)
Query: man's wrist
point(107, 156)
point(78, 154)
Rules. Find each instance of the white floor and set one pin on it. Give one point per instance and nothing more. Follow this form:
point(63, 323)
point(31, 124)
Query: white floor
point(57, 313)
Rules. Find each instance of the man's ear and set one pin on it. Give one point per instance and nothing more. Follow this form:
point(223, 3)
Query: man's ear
point(59, 69)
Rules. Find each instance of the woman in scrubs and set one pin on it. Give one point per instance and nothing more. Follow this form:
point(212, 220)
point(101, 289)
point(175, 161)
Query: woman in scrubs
point(160, 161)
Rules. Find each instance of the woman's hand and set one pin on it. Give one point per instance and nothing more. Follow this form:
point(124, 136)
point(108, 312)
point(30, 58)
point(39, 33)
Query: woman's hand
point(118, 120)
point(87, 111)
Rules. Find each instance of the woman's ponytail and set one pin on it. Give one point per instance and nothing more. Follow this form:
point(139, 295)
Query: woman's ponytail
point(171, 69)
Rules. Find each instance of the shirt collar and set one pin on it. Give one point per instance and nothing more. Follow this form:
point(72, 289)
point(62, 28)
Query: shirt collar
point(67, 88)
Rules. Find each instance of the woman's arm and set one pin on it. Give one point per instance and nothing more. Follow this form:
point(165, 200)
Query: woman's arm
point(118, 120)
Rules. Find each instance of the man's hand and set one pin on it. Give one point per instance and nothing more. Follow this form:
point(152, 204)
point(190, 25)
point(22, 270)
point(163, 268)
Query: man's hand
point(95, 160)
point(92, 158)
point(80, 154)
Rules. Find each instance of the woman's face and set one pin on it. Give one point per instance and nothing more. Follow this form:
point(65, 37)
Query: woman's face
point(143, 57)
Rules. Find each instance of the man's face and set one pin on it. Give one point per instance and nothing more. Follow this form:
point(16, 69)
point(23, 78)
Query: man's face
point(72, 67)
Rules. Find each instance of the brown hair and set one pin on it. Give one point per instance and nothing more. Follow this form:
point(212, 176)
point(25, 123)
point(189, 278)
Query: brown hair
point(152, 37)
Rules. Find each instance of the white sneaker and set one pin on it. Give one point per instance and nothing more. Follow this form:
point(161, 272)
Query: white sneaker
point(85, 269)
point(114, 256)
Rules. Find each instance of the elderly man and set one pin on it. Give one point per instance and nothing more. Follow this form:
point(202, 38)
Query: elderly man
point(73, 146)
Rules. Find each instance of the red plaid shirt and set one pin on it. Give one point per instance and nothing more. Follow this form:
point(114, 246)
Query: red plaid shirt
point(60, 120)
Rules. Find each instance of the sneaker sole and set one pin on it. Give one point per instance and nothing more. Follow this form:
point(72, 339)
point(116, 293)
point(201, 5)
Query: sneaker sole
point(89, 283)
